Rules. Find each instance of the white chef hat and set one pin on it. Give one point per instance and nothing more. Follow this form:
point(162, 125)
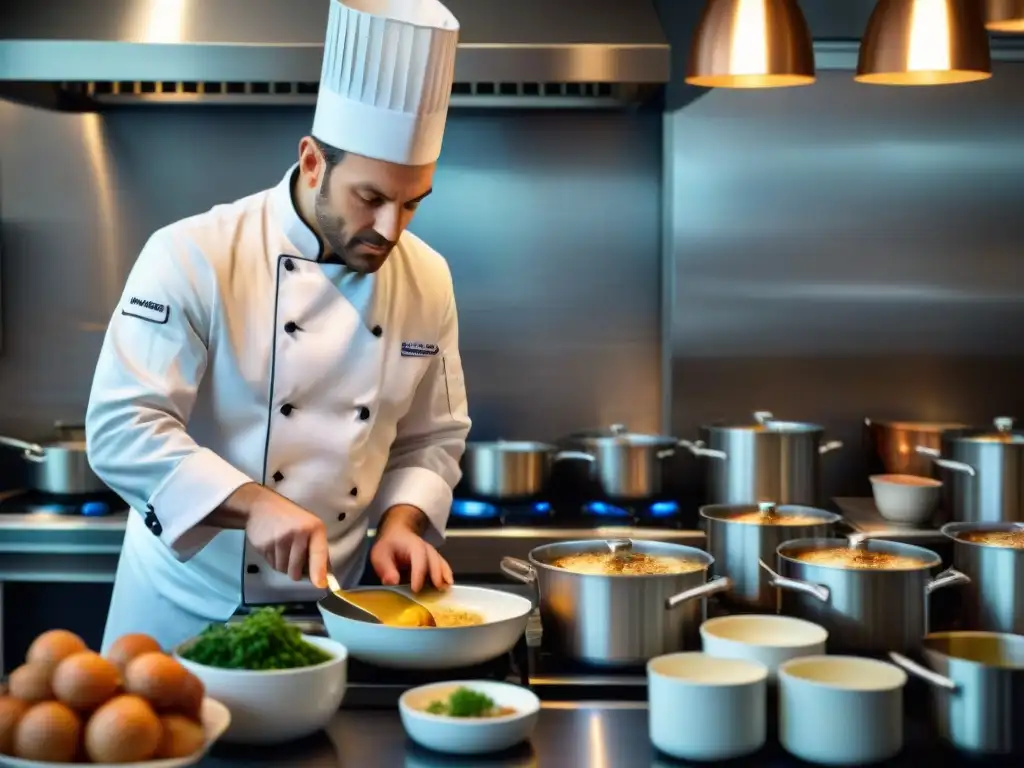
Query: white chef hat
point(387, 78)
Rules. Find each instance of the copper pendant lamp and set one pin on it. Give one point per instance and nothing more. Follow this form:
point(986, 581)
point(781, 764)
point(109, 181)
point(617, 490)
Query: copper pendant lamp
point(925, 42)
point(751, 44)
point(1005, 16)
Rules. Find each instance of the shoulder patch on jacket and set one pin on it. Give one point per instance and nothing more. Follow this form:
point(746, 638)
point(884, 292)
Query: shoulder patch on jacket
point(145, 309)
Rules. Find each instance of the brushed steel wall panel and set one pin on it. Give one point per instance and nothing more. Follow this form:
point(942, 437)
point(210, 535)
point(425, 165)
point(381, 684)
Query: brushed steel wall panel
point(842, 251)
point(550, 223)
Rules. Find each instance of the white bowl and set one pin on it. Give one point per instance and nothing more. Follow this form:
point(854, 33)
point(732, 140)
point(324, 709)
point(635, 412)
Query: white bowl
point(281, 705)
point(841, 710)
point(469, 735)
point(769, 640)
point(704, 708)
point(505, 616)
point(906, 499)
point(215, 718)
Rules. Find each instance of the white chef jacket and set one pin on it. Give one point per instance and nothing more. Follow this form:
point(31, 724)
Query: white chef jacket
point(235, 355)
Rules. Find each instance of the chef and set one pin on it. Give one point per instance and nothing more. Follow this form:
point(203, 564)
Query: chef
point(282, 372)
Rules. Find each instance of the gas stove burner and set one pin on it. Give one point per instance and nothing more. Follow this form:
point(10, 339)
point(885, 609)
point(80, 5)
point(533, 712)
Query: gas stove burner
point(608, 511)
point(529, 512)
point(475, 510)
point(38, 503)
point(663, 509)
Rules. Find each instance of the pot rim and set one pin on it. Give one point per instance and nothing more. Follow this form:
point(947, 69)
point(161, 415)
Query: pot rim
point(931, 427)
point(1002, 637)
point(512, 446)
point(770, 427)
point(632, 439)
point(825, 517)
point(682, 549)
point(952, 531)
point(929, 558)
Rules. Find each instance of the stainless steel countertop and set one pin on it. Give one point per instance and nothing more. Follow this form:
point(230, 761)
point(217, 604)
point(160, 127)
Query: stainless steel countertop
point(62, 548)
point(569, 735)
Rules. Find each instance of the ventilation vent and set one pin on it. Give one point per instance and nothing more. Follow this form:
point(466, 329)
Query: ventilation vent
point(532, 95)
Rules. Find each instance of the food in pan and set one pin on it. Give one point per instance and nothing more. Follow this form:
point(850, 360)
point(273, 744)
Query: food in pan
point(1011, 539)
point(856, 557)
point(448, 616)
point(774, 518)
point(625, 564)
point(67, 704)
point(465, 702)
point(262, 641)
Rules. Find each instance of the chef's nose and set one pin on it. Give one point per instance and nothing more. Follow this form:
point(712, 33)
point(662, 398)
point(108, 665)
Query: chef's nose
point(388, 223)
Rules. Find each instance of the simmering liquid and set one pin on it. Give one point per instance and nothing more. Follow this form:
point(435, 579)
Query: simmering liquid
point(854, 557)
point(625, 564)
point(1011, 539)
point(762, 518)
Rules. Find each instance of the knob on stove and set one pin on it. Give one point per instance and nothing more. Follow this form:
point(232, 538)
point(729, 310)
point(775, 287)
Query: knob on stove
point(95, 508)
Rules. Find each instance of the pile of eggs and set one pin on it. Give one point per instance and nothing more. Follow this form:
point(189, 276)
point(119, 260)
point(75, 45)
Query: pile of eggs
point(67, 704)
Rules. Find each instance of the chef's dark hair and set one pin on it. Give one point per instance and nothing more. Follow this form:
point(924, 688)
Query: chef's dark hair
point(332, 155)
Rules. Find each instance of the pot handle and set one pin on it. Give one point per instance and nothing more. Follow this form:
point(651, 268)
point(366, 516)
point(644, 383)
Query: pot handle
point(948, 578)
point(953, 466)
point(917, 670)
point(31, 451)
point(927, 450)
point(819, 591)
point(573, 456)
point(517, 569)
point(831, 445)
point(696, 447)
point(713, 587)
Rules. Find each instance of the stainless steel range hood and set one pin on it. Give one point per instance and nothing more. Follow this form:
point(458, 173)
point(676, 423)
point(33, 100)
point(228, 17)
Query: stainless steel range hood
point(556, 52)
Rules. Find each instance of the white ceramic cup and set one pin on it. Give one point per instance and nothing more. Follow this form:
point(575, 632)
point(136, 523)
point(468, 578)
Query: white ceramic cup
point(705, 708)
point(841, 710)
point(766, 639)
point(905, 499)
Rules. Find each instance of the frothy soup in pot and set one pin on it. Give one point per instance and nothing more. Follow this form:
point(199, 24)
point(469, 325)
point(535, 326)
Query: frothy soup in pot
point(1009, 539)
point(855, 557)
point(767, 518)
point(625, 564)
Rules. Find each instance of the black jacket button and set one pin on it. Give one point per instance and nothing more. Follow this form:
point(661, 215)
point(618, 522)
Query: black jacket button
point(377, 331)
point(286, 409)
point(278, 477)
point(341, 516)
point(153, 524)
point(252, 569)
point(289, 264)
point(290, 327)
point(354, 492)
point(364, 413)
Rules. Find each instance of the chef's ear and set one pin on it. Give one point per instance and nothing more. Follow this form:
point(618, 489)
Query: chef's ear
point(312, 163)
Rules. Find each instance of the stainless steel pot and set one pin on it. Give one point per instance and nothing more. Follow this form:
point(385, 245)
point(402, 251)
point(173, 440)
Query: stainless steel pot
point(895, 444)
point(59, 465)
point(994, 600)
point(737, 547)
point(617, 620)
point(864, 610)
point(977, 682)
point(984, 481)
point(768, 460)
point(507, 469)
point(629, 466)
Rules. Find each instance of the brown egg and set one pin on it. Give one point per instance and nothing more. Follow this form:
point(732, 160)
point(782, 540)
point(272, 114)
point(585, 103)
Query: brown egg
point(48, 732)
point(127, 647)
point(31, 682)
point(124, 730)
point(191, 702)
point(182, 737)
point(84, 680)
point(11, 710)
point(159, 679)
point(53, 646)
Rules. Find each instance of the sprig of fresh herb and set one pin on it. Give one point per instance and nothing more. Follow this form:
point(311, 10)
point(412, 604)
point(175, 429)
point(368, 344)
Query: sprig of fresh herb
point(463, 702)
point(262, 641)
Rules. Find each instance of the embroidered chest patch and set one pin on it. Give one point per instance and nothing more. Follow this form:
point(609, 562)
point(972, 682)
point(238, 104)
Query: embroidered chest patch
point(418, 349)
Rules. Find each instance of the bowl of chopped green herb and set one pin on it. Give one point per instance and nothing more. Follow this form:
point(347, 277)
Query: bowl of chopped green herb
point(278, 683)
point(469, 717)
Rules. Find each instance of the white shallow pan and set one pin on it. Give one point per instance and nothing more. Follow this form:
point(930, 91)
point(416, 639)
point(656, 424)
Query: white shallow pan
point(505, 617)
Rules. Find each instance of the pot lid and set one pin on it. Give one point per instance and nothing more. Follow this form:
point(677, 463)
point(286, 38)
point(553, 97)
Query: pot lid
point(769, 513)
point(916, 426)
point(765, 421)
point(1002, 431)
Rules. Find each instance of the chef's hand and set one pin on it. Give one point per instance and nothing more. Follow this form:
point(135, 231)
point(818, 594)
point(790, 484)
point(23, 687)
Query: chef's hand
point(292, 540)
point(400, 547)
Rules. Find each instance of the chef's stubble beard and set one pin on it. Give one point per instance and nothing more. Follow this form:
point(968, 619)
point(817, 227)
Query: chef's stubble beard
point(333, 229)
